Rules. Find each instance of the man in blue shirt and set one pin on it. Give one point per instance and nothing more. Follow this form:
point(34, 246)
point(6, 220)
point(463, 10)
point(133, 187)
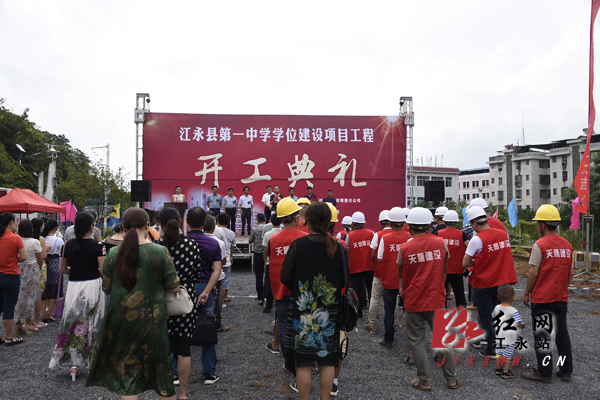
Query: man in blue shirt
point(330, 198)
point(214, 201)
point(293, 194)
point(209, 275)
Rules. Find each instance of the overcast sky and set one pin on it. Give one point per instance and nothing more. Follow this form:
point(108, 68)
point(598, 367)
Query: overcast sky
point(471, 67)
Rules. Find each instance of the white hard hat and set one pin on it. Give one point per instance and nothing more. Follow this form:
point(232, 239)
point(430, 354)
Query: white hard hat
point(383, 216)
point(451, 216)
point(419, 216)
point(478, 202)
point(406, 211)
point(358, 218)
point(475, 212)
point(397, 215)
point(347, 220)
point(440, 211)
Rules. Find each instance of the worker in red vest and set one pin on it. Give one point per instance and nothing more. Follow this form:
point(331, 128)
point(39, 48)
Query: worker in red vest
point(438, 219)
point(456, 240)
point(289, 213)
point(376, 288)
point(406, 212)
point(387, 257)
point(346, 223)
point(303, 203)
point(358, 243)
point(422, 263)
point(548, 282)
point(492, 222)
point(491, 258)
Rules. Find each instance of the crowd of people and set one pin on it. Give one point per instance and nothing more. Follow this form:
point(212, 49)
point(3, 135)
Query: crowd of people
point(301, 265)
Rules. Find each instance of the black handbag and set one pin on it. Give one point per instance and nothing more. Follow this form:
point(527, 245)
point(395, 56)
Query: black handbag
point(205, 332)
point(348, 313)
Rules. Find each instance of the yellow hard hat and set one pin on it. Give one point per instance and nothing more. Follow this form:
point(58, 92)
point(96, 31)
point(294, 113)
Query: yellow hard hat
point(303, 200)
point(286, 206)
point(334, 212)
point(547, 212)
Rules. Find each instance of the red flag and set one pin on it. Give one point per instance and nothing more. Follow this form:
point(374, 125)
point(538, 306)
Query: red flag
point(582, 179)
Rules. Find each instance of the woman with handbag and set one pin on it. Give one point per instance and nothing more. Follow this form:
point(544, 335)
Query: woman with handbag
point(186, 257)
point(54, 287)
point(313, 270)
point(83, 308)
point(131, 354)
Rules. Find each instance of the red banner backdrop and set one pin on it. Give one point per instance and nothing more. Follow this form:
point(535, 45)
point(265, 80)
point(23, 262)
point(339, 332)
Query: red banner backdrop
point(362, 159)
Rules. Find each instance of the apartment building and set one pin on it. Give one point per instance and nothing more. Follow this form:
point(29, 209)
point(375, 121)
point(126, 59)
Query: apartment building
point(474, 183)
point(536, 174)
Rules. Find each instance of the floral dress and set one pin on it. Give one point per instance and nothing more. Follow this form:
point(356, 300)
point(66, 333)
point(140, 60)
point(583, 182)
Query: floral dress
point(132, 354)
point(315, 282)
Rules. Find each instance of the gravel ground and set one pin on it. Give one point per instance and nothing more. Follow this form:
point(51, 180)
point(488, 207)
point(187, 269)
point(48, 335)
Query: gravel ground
point(248, 371)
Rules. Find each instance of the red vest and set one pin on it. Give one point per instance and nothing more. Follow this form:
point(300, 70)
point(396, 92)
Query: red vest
point(343, 234)
point(389, 264)
point(380, 234)
point(278, 247)
point(303, 228)
point(405, 228)
point(496, 224)
point(423, 270)
point(359, 250)
point(557, 260)
point(339, 240)
point(453, 239)
point(494, 265)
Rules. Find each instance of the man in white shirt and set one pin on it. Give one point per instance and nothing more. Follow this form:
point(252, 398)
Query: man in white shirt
point(266, 200)
point(247, 208)
point(209, 230)
point(228, 237)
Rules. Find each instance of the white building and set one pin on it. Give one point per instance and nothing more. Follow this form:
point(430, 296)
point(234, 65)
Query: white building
point(448, 175)
point(474, 183)
point(536, 174)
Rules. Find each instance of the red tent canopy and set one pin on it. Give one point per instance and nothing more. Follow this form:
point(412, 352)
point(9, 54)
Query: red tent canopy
point(26, 201)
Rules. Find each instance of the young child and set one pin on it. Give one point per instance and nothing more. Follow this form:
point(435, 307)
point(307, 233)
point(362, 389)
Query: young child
point(506, 320)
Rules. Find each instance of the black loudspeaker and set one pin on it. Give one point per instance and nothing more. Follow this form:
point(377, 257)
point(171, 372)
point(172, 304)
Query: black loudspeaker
point(141, 191)
point(434, 191)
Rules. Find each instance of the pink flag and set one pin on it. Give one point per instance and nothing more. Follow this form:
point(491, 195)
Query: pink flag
point(496, 214)
point(575, 216)
point(582, 179)
point(67, 205)
point(71, 211)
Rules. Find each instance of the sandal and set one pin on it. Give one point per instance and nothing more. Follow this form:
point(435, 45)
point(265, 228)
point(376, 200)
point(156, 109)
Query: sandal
point(30, 329)
point(224, 328)
point(499, 371)
point(418, 385)
point(456, 385)
point(409, 361)
point(507, 375)
point(40, 325)
point(13, 341)
point(1, 340)
point(227, 300)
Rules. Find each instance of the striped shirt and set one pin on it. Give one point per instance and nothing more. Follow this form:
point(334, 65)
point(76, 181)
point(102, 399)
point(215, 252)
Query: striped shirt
point(212, 249)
